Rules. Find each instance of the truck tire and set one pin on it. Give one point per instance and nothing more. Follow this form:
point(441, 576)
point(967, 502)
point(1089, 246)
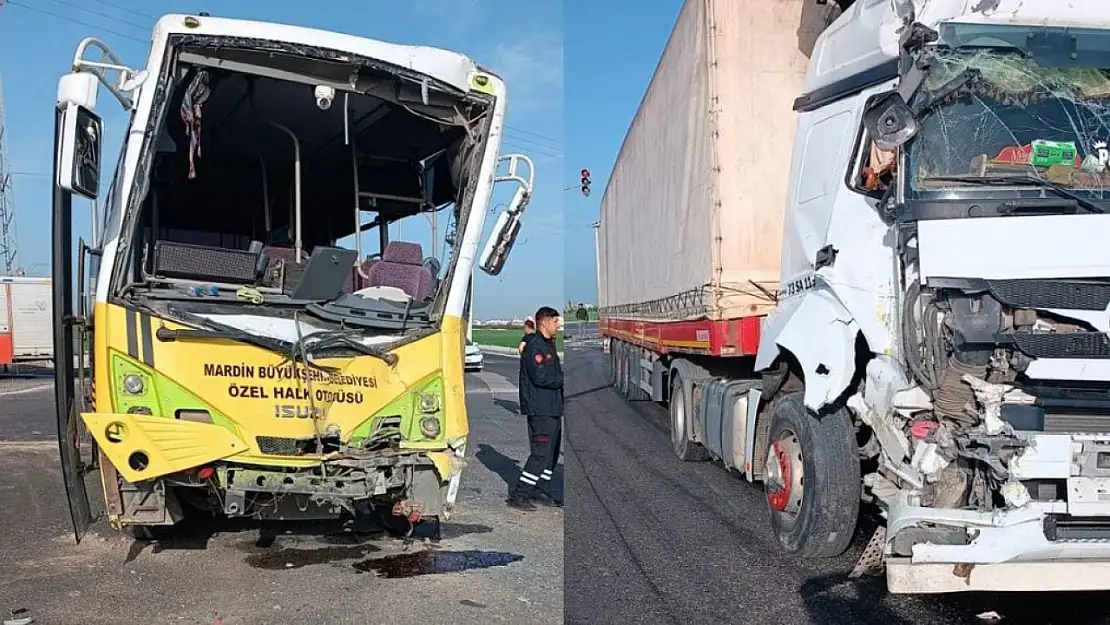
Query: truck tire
point(679, 409)
point(811, 479)
point(621, 361)
point(614, 354)
point(632, 366)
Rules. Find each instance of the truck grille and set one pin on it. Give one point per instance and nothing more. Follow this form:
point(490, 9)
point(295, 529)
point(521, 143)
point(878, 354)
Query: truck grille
point(1063, 345)
point(1061, 294)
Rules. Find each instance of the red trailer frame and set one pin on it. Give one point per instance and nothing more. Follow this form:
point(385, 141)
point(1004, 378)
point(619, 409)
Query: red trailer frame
point(728, 338)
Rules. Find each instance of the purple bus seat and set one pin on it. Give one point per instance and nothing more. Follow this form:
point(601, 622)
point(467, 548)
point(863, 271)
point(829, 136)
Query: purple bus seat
point(402, 267)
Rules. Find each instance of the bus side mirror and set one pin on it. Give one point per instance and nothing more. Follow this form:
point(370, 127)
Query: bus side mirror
point(500, 243)
point(79, 148)
point(504, 234)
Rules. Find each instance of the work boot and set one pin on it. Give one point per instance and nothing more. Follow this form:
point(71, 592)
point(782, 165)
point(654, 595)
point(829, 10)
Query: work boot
point(520, 502)
point(544, 499)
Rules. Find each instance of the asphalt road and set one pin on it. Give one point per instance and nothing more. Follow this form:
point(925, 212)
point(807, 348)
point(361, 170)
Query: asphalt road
point(651, 539)
point(493, 565)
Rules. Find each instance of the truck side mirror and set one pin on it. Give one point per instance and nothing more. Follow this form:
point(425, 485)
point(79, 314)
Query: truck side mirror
point(79, 151)
point(500, 243)
point(890, 122)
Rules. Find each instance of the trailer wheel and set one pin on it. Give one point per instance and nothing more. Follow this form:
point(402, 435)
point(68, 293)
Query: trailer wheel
point(621, 361)
point(614, 373)
point(632, 367)
point(686, 449)
point(811, 479)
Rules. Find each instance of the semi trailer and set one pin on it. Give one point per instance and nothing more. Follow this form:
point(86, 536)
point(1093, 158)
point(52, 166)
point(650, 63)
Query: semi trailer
point(910, 314)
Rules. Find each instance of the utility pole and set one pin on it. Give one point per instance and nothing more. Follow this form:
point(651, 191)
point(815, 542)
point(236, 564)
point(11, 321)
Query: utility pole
point(8, 239)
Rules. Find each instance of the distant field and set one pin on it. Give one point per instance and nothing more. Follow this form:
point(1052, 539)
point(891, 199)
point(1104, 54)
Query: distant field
point(505, 338)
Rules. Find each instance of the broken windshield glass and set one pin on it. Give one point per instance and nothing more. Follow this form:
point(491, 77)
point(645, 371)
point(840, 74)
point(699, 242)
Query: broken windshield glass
point(1015, 119)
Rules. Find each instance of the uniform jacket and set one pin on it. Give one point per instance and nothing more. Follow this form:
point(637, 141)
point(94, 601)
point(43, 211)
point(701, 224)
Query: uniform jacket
point(541, 378)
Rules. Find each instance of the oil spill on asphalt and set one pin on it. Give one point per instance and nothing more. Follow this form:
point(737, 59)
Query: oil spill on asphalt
point(435, 562)
point(292, 558)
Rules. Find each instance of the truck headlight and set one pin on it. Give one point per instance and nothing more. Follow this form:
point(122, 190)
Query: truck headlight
point(133, 384)
point(429, 427)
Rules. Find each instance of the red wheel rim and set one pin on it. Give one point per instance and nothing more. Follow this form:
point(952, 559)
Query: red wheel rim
point(778, 498)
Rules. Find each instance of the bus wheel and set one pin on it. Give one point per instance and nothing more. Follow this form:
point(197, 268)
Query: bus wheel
point(686, 449)
point(811, 479)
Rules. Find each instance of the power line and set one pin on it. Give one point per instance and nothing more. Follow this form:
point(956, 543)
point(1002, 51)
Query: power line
point(104, 15)
point(534, 134)
point(127, 9)
point(527, 141)
point(66, 18)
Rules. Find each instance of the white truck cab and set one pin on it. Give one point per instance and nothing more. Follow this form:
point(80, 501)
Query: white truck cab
point(946, 297)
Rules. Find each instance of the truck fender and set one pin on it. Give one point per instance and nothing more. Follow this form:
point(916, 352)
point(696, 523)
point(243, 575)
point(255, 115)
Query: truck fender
point(821, 334)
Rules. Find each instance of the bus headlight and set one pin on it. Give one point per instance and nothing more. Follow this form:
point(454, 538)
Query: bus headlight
point(133, 384)
point(428, 402)
point(429, 427)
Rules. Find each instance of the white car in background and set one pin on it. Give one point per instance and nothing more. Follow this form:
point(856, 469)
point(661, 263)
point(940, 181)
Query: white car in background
point(472, 361)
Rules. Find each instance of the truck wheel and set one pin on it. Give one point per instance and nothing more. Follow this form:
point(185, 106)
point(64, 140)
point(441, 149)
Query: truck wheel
point(684, 448)
point(632, 366)
point(811, 479)
point(621, 361)
point(615, 364)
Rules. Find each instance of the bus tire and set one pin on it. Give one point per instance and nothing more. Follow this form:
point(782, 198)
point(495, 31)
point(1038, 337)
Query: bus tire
point(811, 478)
point(679, 410)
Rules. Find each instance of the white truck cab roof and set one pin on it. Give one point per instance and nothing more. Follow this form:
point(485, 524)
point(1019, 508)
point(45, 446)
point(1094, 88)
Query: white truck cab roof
point(846, 52)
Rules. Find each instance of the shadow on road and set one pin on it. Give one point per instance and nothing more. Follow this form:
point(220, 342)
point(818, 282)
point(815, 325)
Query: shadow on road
point(505, 404)
point(509, 469)
point(836, 598)
point(197, 531)
point(27, 370)
point(586, 392)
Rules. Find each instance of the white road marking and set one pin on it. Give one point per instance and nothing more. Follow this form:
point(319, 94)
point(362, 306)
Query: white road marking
point(493, 390)
point(497, 384)
point(29, 446)
point(29, 389)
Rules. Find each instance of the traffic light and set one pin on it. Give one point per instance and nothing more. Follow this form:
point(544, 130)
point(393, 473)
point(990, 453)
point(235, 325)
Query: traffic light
point(586, 182)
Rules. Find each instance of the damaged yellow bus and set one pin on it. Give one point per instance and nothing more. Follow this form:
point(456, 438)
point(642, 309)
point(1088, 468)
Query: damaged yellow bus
point(235, 349)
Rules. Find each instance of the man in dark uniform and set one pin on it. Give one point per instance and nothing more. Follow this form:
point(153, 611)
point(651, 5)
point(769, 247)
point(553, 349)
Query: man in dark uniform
point(541, 400)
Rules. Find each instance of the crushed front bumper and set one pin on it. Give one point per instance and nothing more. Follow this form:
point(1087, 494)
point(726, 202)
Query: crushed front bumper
point(1061, 544)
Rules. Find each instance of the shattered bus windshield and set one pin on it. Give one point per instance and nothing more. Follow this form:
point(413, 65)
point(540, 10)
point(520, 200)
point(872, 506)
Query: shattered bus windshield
point(1013, 123)
point(301, 182)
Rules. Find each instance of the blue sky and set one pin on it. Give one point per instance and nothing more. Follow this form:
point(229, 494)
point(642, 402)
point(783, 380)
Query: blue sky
point(525, 46)
point(611, 49)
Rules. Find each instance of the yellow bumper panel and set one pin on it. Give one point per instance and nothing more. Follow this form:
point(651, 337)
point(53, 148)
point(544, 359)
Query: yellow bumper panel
point(143, 447)
point(444, 463)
